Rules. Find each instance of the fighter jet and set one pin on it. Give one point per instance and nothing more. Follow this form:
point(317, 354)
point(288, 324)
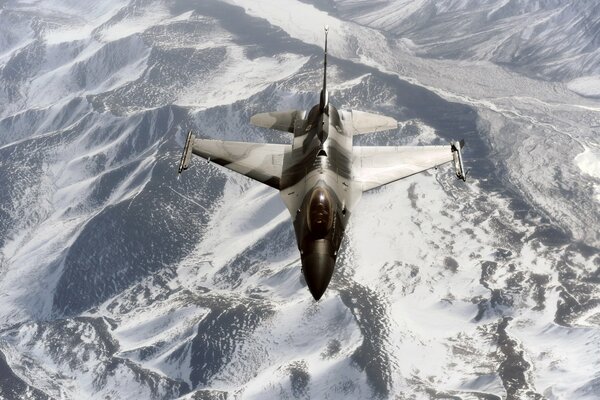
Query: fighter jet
point(321, 175)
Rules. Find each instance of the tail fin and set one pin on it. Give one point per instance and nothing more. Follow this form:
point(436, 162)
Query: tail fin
point(324, 101)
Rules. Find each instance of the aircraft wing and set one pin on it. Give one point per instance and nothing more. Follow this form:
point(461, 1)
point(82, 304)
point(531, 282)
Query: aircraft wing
point(376, 166)
point(260, 161)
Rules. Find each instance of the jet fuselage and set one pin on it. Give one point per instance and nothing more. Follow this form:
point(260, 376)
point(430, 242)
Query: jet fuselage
point(319, 192)
point(321, 175)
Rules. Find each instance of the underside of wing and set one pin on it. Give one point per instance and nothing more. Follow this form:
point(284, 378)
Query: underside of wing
point(260, 161)
point(376, 166)
point(359, 122)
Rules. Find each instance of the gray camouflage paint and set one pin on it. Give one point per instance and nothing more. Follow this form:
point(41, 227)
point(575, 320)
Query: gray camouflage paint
point(320, 158)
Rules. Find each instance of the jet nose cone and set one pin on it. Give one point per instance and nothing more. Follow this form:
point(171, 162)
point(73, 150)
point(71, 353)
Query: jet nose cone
point(318, 269)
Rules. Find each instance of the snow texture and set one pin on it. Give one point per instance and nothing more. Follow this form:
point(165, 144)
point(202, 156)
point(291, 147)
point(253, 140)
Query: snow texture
point(119, 279)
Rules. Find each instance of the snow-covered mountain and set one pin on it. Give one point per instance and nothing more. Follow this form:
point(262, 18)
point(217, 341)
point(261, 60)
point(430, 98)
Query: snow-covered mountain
point(551, 39)
point(120, 280)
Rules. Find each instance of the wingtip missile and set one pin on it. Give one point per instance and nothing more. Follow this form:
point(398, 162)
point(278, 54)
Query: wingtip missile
point(184, 163)
point(459, 167)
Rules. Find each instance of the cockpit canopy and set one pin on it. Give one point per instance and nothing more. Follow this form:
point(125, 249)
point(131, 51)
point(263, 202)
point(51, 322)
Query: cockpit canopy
point(320, 213)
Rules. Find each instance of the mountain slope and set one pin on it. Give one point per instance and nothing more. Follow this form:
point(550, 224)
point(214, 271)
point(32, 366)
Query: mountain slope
point(120, 279)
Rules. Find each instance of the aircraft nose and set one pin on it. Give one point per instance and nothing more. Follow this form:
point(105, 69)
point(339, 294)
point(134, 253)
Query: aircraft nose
point(318, 268)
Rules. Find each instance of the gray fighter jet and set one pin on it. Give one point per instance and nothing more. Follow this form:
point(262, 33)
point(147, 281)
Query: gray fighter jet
point(321, 175)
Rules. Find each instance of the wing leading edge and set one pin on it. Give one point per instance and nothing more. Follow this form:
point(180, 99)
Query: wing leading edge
point(260, 161)
point(376, 166)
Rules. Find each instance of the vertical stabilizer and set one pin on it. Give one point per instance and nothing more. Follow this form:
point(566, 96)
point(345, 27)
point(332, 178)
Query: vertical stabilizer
point(324, 101)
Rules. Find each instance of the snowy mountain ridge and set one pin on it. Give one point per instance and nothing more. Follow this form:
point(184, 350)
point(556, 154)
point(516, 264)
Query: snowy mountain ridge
point(554, 40)
point(120, 280)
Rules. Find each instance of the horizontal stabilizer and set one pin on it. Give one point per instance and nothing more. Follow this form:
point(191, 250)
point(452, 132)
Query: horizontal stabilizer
point(278, 120)
point(359, 122)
